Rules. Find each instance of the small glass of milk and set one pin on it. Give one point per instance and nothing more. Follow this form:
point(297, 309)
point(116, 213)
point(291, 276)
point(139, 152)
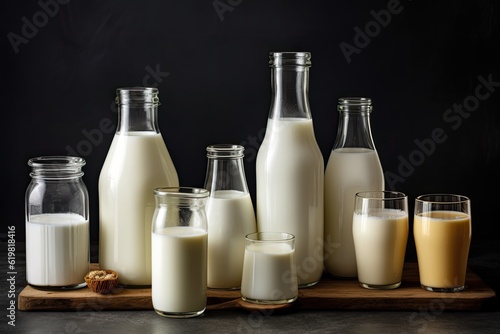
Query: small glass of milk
point(442, 232)
point(269, 269)
point(380, 235)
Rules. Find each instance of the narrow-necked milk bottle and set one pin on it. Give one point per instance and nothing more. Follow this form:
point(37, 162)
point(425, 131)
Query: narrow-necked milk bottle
point(353, 166)
point(290, 166)
point(230, 215)
point(137, 162)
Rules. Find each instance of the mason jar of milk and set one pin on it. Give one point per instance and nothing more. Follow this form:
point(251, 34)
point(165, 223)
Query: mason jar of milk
point(137, 162)
point(290, 166)
point(179, 246)
point(230, 215)
point(57, 224)
point(353, 166)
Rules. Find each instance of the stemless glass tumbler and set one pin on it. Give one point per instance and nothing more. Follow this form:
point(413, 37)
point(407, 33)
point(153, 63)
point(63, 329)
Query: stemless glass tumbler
point(269, 269)
point(442, 232)
point(380, 234)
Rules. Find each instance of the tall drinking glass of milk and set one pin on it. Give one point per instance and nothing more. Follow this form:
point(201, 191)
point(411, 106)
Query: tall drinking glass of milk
point(137, 162)
point(442, 232)
point(353, 166)
point(57, 223)
point(290, 166)
point(380, 233)
point(179, 251)
point(230, 215)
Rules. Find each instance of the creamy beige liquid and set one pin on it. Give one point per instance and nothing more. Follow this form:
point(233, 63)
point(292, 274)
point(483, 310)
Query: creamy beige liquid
point(230, 217)
point(380, 244)
point(57, 249)
point(179, 282)
point(136, 164)
point(349, 170)
point(268, 272)
point(442, 240)
point(290, 183)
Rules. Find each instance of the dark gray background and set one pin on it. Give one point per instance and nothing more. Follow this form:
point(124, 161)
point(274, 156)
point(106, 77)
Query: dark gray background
point(214, 84)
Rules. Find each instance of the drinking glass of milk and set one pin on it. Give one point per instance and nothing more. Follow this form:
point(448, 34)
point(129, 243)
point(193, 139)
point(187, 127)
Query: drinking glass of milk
point(179, 252)
point(380, 235)
point(57, 224)
point(442, 232)
point(269, 269)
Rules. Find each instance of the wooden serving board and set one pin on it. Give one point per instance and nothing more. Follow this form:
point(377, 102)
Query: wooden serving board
point(328, 294)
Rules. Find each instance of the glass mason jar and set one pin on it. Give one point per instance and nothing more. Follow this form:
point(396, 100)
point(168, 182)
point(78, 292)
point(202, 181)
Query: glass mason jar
point(179, 252)
point(290, 167)
point(353, 166)
point(57, 224)
point(230, 215)
point(137, 162)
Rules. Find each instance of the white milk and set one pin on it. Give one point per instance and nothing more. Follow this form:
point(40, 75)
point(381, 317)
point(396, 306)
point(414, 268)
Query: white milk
point(380, 244)
point(136, 164)
point(179, 282)
point(230, 217)
point(268, 272)
point(290, 182)
point(57, 249)
point(349, 170)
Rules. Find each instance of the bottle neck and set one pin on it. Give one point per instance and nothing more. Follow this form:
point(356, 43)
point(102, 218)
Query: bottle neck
point(354, 124)
point(137, 109)
point(137, 118)
point(225, 170)
point(290, 85)
point(354, 130)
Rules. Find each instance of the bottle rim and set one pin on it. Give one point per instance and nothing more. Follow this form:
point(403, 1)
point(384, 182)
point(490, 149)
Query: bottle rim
point(137, 95)
point(182, 192)
point(56, 166)
point(359, 104)
point(225, 151)
point(280, 59)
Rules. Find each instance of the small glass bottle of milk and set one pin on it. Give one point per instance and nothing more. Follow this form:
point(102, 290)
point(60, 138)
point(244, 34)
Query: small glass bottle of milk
point(179, 252)
point(57, 224)
point(290, 166)
point(137, 162)
point(353, 166)
point(230, 215)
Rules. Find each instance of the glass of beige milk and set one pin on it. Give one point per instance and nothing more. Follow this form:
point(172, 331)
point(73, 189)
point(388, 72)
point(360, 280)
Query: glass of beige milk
point(269, 269)
point(442, 231)
point(380, 235)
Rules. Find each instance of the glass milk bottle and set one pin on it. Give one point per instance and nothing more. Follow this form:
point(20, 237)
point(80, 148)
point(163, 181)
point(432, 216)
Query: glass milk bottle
point(353, 166)
point(290, 166)
point(230, 215)
point(137, 162)
point(179, 252)
point(57, 224)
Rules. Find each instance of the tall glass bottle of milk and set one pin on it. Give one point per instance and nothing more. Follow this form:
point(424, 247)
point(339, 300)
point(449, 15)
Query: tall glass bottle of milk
point(230, 215)
point(137, 162)
point(353, 166)
point(290, 166)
